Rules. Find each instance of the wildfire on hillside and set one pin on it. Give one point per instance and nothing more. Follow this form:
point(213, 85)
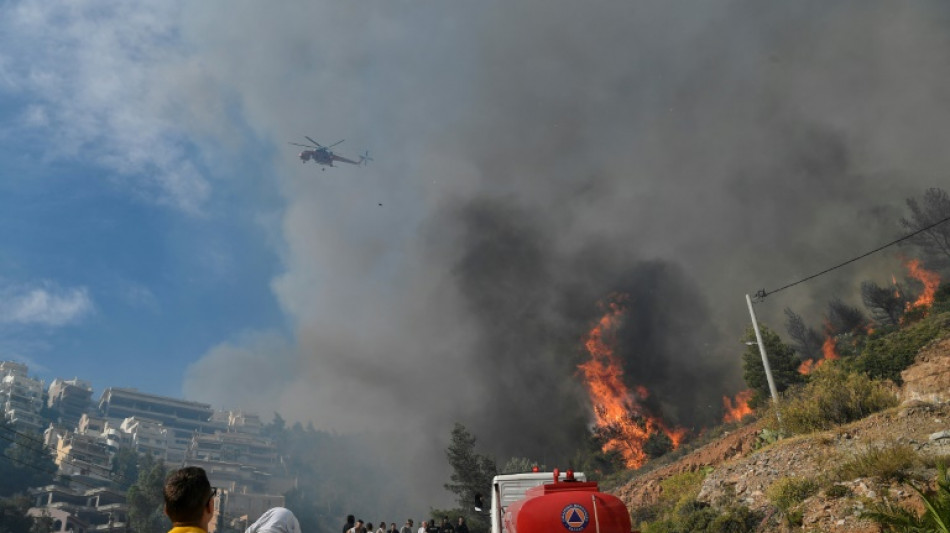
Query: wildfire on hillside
point(808, 366)
point(829, 352)
point(617, 411)
point(738, 409)
point(930, 281)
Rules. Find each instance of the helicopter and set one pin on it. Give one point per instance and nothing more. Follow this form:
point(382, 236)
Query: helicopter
point(324, 156)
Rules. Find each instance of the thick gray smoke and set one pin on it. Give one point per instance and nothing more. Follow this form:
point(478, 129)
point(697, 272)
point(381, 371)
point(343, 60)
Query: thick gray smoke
point(534, 307)
point(533, 159)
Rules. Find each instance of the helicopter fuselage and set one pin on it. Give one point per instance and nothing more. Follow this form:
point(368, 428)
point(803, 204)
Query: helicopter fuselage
point(319, 156)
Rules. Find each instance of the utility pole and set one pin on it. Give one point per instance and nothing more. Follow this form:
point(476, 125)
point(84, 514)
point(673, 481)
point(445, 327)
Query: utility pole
point(765, 358)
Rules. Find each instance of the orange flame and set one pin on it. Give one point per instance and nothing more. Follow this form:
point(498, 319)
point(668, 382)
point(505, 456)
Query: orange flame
point(930, 281)
point(807, 366)
point(829, 352)
point(615, 408)
point(829, 349)
point(738, 410)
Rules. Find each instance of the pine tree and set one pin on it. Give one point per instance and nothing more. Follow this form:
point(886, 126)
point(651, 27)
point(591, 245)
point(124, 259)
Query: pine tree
point(782, 362)
point(145, 497)
point(471, 475)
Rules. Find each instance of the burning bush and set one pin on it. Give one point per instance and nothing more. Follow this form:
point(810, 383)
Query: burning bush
point(886, 356)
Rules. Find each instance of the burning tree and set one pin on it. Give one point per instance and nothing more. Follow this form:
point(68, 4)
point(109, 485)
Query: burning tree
point(842, 319)
point(621, 420)
point(929, 280)
point(934, 207)
point(736, 410)
point(886, 304)
point(807, 340)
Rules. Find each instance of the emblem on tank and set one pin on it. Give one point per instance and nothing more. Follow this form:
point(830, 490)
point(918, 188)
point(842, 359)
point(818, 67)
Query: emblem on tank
point(574, 517)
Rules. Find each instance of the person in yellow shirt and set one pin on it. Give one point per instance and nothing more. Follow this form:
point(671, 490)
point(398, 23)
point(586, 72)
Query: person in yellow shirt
point(189, 500)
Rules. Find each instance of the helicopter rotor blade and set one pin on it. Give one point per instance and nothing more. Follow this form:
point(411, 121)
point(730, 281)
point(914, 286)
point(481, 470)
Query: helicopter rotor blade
point(304, 145)
point(336, 143)
point(314, 142)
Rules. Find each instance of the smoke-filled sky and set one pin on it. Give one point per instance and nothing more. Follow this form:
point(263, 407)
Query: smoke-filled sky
point(531, 160)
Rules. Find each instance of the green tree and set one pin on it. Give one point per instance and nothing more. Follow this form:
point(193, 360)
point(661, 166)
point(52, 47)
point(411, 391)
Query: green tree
point(277, 431)
point(146, 503)
point(125, 467)
point(13, 517)
point(657, 445)
point(593, 461)
point(42, 523)
point(782, 361)
point(517, 465)
point(472, 474)
point(26, 462)
point(941, 299)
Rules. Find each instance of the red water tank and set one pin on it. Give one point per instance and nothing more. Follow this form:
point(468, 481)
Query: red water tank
point(567, 507)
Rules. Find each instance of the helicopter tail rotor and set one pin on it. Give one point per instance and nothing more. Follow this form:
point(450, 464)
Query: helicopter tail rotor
point(365, 158)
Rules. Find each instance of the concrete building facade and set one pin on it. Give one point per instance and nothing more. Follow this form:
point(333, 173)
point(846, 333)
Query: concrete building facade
point(71, 398)
point(83, 455)
point(98, 509)
point(21, 397)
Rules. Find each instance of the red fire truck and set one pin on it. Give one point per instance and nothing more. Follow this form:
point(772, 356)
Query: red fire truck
point(554, 502)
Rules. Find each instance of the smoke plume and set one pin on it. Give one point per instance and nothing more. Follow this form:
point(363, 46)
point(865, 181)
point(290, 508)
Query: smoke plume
point(533, 159)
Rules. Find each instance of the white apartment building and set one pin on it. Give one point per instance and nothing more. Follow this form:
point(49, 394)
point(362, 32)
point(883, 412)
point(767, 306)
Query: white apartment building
point(146, 436)
point(21, 397)
point(71, 397)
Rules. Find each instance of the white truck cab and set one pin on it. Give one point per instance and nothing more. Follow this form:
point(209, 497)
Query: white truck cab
point(509, 488)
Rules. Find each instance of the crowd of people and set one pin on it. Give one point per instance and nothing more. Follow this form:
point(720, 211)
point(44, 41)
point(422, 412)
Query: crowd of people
point(357, 525)
point(189, 504)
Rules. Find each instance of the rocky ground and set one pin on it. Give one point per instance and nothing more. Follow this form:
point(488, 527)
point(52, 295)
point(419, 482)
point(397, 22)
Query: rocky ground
point(743, 474)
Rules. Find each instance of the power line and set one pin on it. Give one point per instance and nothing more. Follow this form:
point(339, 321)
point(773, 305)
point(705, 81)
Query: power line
point(114, 477)
point(761, 294)
point(87, 484)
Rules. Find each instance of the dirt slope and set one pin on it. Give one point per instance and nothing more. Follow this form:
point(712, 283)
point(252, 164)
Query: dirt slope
point(743, 475)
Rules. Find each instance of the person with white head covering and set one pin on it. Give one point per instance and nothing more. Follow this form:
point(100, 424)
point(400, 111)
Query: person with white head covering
point(275, 520)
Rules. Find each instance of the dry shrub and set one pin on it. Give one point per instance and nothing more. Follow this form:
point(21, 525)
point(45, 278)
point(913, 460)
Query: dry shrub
point(832, 397)
point(681, 487)
point(787, 492)
point(891, 462)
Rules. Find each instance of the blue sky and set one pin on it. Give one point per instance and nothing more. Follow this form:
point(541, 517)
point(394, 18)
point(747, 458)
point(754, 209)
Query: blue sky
point(158, 230)
point(131, 290)
point(126, 251)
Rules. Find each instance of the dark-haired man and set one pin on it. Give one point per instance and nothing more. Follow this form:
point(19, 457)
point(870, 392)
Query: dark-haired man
point(357, 527)
point(189, 500)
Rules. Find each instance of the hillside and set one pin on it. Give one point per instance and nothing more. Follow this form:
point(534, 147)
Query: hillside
point(823, 480)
